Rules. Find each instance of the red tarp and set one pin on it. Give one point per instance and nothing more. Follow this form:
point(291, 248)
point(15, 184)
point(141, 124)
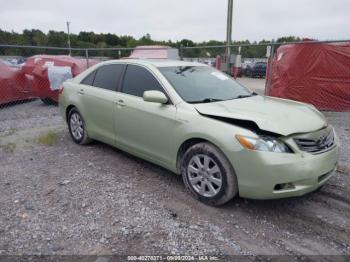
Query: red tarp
point(38, 67)
point(318, 74)
point(14, 84)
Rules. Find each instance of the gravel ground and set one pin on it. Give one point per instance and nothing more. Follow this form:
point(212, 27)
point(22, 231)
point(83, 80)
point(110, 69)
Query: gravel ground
point(70, 199)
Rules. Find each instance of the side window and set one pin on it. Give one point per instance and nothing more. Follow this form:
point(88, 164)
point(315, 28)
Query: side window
point(108, 76)
point(89, 79)
point(138, 80)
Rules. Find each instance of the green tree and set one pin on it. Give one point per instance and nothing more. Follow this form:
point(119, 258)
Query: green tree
point(92, 40)
point(112, 40)
point(287, 39)
point(146, 40)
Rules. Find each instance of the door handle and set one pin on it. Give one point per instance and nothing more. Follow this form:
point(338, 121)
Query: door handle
point(81, 91)
point(120, 102)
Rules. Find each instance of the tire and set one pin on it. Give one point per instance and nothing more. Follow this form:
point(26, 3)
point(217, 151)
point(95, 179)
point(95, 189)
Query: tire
point(49, 101)
point(197, 182)
point(77, 127)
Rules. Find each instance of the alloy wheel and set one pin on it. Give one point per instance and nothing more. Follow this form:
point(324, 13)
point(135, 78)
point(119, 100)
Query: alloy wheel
point(204, 175)
point(76, 126)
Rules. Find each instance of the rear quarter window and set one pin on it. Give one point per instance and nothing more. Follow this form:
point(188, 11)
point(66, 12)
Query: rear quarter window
point(108, 76)
point(89, 80)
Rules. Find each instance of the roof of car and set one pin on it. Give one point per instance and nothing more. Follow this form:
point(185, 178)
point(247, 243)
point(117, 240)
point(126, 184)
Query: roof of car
point(160, 62)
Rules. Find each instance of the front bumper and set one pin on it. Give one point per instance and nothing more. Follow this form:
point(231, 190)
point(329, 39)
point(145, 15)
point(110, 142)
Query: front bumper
point(267, 175)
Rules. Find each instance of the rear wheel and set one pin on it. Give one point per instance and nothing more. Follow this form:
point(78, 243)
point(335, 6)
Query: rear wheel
point(208, 175)
point(77, 127)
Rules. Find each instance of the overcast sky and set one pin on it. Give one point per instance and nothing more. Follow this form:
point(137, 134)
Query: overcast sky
point(198, 20)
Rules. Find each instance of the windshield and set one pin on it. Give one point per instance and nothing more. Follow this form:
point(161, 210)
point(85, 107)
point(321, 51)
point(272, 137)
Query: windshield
point(202, 84)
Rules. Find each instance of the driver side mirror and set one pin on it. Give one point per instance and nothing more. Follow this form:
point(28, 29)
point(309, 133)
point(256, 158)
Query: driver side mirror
point(155, 96)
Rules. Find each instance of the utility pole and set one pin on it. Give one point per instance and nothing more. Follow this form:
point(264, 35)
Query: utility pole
point(229, 31)
point(70, 51)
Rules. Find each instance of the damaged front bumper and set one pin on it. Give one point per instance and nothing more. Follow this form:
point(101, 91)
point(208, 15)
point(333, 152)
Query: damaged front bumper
point(268, 175)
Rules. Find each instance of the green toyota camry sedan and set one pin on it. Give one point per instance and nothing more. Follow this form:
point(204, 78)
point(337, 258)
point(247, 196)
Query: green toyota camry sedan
point(199, 123)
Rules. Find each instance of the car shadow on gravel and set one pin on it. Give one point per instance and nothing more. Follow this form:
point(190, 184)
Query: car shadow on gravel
point(158, 172)
point(284, 204)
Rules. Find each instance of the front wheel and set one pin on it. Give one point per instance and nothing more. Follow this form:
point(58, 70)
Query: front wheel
point(208, 175)
point(77, 127)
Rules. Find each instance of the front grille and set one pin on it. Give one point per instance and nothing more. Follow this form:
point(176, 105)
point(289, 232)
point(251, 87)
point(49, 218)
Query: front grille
point(321, 145)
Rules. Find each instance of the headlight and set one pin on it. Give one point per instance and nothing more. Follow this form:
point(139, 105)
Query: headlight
point(263, 143)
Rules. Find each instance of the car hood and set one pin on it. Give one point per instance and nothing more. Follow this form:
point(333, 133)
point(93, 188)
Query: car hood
point(284, 117)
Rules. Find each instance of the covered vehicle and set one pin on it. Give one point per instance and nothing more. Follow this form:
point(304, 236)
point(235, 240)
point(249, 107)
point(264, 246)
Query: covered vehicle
point(14, 84)
point(313, 73)
point(155, 52)
point(50, 71)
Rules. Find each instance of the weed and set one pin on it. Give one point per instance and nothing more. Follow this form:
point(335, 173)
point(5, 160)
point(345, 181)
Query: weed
point(48, 139)
point(9, 147)
point(9, 132)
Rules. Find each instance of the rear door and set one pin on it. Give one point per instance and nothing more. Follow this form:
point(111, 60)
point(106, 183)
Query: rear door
point(144, 128)
point(99, 96)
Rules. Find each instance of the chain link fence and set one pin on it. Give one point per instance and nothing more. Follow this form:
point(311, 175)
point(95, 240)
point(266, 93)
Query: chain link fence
point(30, 79)
point(314, 72)
point(308, 71)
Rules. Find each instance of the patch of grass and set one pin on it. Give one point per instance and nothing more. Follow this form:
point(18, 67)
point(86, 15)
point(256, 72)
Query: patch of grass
point(9, 132)
point(9, 147)
point(48, 139)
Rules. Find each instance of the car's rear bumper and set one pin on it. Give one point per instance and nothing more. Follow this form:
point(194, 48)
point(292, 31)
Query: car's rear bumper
point(265, 175)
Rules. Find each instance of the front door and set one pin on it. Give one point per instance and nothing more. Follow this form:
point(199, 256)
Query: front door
point(144, 128)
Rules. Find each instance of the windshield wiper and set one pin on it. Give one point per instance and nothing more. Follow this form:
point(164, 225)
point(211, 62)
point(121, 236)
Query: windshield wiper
point(209, 100)
point(183, 69)
point(244, 96)
point(205, 100)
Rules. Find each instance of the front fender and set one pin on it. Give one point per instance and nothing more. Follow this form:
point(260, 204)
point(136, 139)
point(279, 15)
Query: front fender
point(216, 132)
